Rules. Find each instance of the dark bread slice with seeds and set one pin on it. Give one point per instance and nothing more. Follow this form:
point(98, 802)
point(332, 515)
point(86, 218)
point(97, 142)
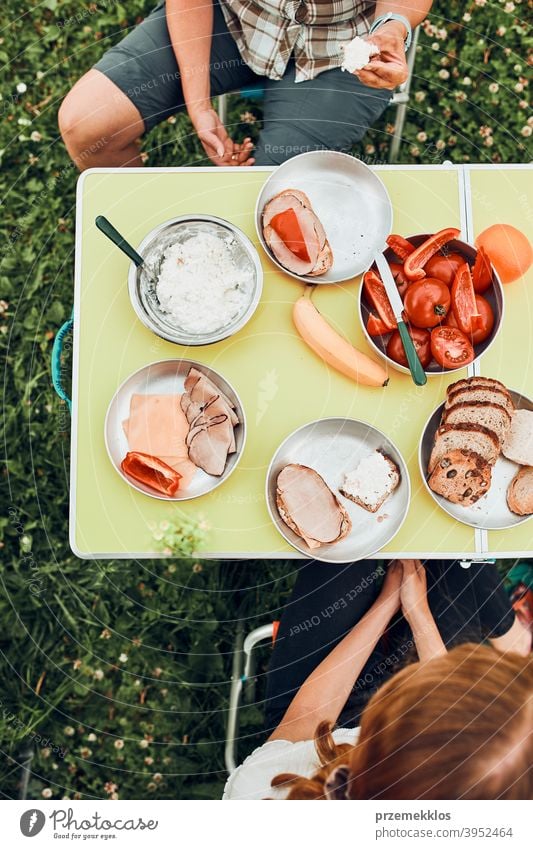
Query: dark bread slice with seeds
point(470, 437)
point(461, 476)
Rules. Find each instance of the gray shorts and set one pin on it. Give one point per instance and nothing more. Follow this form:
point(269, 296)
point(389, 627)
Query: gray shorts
point(331, 112)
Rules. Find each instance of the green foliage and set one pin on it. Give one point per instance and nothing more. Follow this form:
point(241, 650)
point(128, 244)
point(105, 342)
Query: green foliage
point(123, 667)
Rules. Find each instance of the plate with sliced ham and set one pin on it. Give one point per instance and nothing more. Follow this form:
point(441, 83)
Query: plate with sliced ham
point(338, 490)
point(175, 430)
point(322, 216)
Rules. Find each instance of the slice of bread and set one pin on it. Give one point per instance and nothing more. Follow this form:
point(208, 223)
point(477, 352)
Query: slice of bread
point(483, 394)
point(461, 476)
point(372, 481)
point(493, 416)
point(518, 445)
point(467, 436)
point(470, 382)
point(520, 492)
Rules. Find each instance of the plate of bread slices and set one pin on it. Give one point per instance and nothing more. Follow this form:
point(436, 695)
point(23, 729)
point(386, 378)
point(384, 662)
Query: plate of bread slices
point(337, 490)
point(476, 454)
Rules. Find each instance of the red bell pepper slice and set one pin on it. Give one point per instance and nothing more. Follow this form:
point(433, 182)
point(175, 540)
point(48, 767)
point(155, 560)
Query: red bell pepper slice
point(464, 301)
point(288, 228)
point(401, 247)
point(377, 295)
point(151, 471)
point(482, 271)
point(375, 326)
point(414, 264)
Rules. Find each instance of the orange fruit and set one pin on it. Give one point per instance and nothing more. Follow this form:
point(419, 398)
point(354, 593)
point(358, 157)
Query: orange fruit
point(509, 250)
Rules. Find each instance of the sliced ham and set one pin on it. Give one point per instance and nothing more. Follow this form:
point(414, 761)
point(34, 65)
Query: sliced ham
point(211, 420)
point(308, 506)
point(157, 426)
point(313, 234)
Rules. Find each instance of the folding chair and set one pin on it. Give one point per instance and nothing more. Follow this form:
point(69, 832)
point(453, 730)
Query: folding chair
point(400, 100)
point(242, 677)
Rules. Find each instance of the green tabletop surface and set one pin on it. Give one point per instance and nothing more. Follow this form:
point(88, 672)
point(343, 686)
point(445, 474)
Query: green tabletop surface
point(280, 380)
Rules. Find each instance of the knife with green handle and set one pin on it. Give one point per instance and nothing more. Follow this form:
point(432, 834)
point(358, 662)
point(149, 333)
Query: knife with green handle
point(415, 366)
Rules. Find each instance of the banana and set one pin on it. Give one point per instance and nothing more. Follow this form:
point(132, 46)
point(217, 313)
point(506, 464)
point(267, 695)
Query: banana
point(333, 348)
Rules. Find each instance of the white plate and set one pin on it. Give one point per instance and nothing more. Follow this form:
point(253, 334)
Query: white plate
point(349, 199)
point(167, 377)
point(332, 447)
point(491, 512)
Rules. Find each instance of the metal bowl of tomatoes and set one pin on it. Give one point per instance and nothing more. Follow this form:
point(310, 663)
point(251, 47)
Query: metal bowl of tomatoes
point(454, 311)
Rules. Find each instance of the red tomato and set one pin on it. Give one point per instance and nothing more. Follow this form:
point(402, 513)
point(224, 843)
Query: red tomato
point(464, 301)
point(482, 271)
point(401, 281)
point(487, 315)
point(450, 347)
point(421, 340)
point(444, 267)
point(426, 302)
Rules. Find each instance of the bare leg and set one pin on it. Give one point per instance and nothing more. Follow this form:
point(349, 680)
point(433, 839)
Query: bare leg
point(100, 125)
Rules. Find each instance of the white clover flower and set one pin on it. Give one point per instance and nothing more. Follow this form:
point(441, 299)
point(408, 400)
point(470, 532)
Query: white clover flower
point(119, 744)
point(467, 81)
point(47, 793)
point(91, 738)
point(435, 45)
point(420, 96)
point(69, 731)
point(509, 7)
point(467, 17)
point(489, 141)
point(144, 744)
point(480, 2)
point(415, 151)
point(523, 104)
point(526, 131)
point(493, 88)
point(444, 74)
point(530, 121)
point(24, 122)
point(35, 136)
point(98, 674)
point(21, 88)
point(123, 658)
point(421, 137)
point(519, 87)
point(517, 68)
point(442, 34)
point(501, 31)
point(39, 75)
point(440, 144)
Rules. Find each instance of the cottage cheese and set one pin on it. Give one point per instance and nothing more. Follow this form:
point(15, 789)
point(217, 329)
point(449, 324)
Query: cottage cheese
point(357, 53)
point(373, 478)
point(200, 287)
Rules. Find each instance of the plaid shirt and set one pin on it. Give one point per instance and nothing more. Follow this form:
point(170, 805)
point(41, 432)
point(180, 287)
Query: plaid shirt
point(269, 32)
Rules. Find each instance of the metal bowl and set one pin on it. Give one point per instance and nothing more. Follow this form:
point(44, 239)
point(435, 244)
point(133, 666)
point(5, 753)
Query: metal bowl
point(349, 199)
point(494, 295)
point(167, 377)
point(332, 447)
point(142, 281)
point(491, 512)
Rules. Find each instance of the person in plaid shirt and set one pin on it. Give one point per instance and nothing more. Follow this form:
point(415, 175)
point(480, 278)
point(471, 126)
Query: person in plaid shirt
point(188, 51)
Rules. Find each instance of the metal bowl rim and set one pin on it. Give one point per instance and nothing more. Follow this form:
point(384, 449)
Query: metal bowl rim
point(222, 478)
point(218, 336)
point(397, 366)
point(404, 473)
point(258, 213)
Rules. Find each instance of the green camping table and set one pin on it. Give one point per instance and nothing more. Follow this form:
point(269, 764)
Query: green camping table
point(280, 381)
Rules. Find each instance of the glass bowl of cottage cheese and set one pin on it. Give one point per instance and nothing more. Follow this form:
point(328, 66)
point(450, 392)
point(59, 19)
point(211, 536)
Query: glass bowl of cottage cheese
point(200, 283)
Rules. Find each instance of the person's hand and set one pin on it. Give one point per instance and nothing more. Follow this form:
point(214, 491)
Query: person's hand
point(413, 591)
point(390, 591)
point(389, 68)
point(220, 148)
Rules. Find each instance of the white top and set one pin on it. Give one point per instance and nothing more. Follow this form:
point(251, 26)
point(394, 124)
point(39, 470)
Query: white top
point(251, 780)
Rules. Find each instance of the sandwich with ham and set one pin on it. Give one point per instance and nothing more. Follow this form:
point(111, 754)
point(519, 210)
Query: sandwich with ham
point(295, 235)
point(309, 507)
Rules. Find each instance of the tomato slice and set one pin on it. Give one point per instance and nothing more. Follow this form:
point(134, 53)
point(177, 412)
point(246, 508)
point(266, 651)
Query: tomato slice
point(487, 315)
point(482, 271)
point(450, 347)
point(376, 294)
point(415, 262)
point(375, 326)
point(288, 228)
point(464, 301)
point(421, 341)
point(401, 247)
